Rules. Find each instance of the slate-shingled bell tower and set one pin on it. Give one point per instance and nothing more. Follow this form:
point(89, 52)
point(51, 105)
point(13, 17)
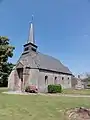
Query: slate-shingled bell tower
point(30, 45)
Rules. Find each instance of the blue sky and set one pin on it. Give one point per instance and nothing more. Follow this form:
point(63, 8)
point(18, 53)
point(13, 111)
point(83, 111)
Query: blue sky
point(62, 29)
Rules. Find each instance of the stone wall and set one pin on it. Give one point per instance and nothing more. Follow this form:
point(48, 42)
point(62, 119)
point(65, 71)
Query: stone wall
point(64, 80)
point(33, 77)
point(26, 77)
point(17, 82)
point(73, 82)
point(37, 77)
point(11, 80)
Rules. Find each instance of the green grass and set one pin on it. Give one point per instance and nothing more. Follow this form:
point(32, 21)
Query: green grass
point(21, 107)
point(79, 92)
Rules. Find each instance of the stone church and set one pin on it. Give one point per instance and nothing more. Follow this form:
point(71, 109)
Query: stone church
point(35, 68)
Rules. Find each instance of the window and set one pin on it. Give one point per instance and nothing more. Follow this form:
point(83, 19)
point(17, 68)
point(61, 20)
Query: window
point(33, 49)
point(68, 80)
point(55, 80)
point(62, 78)
point(46, 79)
point(27, 48)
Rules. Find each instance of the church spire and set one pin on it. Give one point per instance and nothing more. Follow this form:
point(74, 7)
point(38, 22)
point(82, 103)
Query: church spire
point(31, 33)
point(30, 45)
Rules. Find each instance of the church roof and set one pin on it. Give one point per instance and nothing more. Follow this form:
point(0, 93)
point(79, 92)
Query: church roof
point(51, 63)
point(45, 62)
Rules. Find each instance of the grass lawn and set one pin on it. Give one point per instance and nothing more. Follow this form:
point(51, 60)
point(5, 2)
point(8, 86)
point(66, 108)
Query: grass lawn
point(80, 92)
point(21, 107)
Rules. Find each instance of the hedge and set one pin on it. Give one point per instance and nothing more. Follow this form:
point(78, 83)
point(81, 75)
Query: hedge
point(54, 89)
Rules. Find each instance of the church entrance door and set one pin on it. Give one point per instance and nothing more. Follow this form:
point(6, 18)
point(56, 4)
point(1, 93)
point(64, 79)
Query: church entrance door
point(20, 74)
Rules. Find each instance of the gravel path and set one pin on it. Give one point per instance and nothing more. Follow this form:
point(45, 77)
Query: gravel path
point(64, 95)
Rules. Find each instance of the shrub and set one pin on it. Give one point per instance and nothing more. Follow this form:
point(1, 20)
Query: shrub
point(31, 89)
point(54, 89)
point(88, 85)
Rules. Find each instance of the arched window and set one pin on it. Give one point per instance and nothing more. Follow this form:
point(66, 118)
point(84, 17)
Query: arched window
point(55, 80)
point(46, 79)
point(62, 78)
point(68, 80)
